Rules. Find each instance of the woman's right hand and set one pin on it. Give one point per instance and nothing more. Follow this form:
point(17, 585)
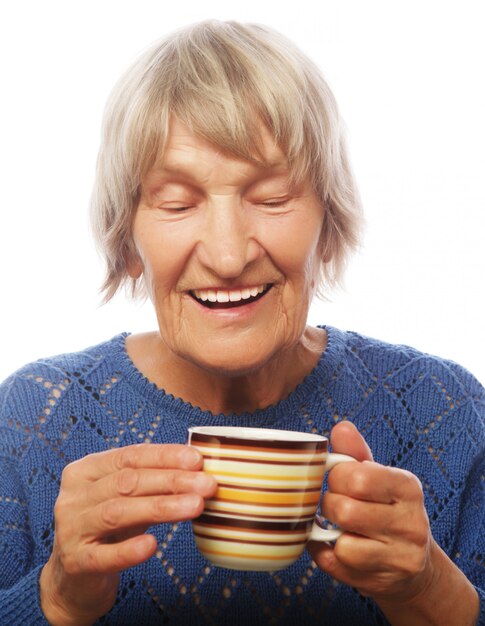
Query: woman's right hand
point(106, 503)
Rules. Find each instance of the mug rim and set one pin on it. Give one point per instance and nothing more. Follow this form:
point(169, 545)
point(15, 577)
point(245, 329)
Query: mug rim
point(244, 433)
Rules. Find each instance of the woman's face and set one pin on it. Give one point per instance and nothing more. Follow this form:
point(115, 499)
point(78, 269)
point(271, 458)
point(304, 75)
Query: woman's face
point(229, 253)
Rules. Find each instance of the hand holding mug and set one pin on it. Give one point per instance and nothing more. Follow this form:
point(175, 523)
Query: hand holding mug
point(385, 551)
point(106, 502)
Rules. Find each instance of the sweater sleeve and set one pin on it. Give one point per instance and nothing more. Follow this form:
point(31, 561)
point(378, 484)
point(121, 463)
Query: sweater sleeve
point(19, 577)
point(20, 604)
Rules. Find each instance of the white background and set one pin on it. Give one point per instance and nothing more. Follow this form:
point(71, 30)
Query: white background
point(409, 78)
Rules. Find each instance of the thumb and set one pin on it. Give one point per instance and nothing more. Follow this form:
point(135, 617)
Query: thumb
point(346, 439)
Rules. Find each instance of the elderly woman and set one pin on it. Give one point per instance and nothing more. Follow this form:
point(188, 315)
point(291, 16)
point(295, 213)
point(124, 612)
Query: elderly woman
point(224, 193)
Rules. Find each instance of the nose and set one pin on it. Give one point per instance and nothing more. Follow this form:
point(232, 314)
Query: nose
point(227, 243)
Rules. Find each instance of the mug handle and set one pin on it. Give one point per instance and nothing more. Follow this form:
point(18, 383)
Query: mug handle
point(326, 534)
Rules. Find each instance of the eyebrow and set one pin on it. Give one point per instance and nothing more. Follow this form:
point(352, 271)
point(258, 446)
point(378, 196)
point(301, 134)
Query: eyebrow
point(182, 167)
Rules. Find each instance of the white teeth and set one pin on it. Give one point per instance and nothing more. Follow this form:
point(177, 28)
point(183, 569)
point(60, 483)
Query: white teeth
point(233, 295)
point(222, 296)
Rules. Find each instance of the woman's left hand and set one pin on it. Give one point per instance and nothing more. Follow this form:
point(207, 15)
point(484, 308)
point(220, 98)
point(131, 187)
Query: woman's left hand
point(385, 551)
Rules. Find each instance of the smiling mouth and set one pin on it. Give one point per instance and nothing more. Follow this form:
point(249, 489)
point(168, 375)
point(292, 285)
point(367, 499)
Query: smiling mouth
point(229, 298)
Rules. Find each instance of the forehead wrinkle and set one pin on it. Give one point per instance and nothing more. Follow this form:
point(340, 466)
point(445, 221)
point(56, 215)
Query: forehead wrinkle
point(232, 172)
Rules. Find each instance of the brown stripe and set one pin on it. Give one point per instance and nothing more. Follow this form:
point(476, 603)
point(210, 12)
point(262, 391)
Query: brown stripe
point(212, 520)
point(268, 489)
point(221, 441)
point(251, 541)
point(257, 515)
point(258, 531)
point(261, 461)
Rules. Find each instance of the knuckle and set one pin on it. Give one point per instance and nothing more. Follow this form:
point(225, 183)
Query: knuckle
point(59, 509)
point(160, 508)
point(63, 512)
point(360, 483)
point(129, 456)
point(420, 537)
point(118, 559)
point(412, 486)
point(127, 481)
point(70, 473)
point(111, 513)
point(174, 482)
point(345, 513)
point(343, 550)
point(70, 564)
point(413, 564)
point(92, 564)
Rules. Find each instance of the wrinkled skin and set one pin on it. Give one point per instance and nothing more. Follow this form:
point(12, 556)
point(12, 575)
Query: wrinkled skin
point(106, 502)
point(387, 550)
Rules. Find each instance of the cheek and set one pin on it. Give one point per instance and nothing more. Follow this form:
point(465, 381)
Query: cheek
point(300, 256)
point(164, 256)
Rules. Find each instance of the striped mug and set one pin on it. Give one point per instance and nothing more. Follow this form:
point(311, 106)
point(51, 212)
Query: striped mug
point(269, 487)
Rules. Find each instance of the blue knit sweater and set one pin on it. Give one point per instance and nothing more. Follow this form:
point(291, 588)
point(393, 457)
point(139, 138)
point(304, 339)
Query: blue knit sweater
point(416, 411)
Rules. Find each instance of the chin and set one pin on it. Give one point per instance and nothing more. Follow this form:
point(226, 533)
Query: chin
point(231, 367)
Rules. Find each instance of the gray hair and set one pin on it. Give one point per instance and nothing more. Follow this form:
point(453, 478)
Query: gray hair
point(222, 80)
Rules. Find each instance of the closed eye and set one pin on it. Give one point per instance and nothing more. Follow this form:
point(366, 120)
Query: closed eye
point(177, 209)
point(277, 202)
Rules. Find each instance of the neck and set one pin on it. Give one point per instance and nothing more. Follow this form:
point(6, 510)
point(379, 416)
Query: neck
point(225, 394)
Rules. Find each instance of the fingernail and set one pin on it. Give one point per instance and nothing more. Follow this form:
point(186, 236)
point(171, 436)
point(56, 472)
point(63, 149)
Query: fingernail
point(204, 482)
point(190, 457)
point(189, 502)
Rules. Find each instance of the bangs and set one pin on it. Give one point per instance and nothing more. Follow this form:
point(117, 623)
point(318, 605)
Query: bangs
point(225, 89)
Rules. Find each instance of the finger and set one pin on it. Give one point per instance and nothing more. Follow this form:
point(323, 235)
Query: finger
point(346, 439)
point(324, 556)
point(113, 558)
point(370, 519)
point(374, 482)
point(383, 522)
point(399, 559)
point(150, 482)
point(367, 580)
point(113, 516)
point(143, 455)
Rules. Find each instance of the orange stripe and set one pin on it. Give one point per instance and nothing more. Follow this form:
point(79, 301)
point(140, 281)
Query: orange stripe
point(264, 517)
point(232, 495)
